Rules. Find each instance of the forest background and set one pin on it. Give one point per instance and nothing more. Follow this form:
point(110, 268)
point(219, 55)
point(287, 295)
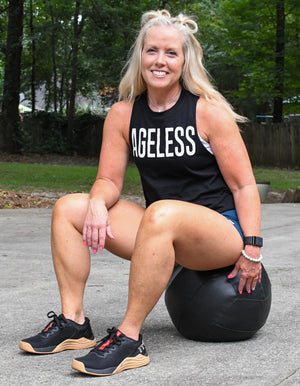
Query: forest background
point(73, 53)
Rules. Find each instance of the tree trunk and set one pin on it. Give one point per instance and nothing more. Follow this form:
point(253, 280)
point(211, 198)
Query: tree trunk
point(53, 48)
point(10, 141)
point(71, 109)
point(279, 61)
point(33, 53)
point(61, 93)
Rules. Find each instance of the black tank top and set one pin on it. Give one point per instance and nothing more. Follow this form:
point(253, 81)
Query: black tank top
point(171, 158)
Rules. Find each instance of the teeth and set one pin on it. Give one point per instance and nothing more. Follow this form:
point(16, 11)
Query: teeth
point(159, 73)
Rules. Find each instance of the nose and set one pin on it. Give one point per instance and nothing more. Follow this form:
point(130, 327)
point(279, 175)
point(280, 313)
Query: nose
point(160, 59)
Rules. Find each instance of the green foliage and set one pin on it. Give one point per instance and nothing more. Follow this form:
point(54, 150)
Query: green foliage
point(1, 79)
point(104, 41)
point(238, 39)
point(44, 133)
point(3, 28)
point(249, 41)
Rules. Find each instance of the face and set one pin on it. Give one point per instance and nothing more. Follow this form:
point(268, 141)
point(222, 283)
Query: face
point(162, 57)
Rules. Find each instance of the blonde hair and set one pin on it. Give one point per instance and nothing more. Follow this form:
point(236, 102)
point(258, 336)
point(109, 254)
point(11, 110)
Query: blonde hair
point(194, 76)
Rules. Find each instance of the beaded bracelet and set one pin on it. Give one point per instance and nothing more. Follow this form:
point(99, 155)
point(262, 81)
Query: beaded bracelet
point(251, 258)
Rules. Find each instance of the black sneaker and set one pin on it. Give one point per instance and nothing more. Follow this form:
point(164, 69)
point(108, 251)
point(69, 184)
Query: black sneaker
point(112, 355)
point(60, 334)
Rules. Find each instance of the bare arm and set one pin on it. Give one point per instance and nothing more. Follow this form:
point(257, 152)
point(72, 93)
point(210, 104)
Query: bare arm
point(111, 171)
point(220, 130)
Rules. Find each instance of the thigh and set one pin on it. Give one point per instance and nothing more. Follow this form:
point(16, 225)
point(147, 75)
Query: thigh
point(125, 218)
point(203, 239)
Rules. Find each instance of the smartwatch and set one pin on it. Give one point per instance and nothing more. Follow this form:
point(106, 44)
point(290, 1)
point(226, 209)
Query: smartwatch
point(253, 240)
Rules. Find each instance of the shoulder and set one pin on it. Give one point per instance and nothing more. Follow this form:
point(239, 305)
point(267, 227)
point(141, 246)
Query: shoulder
point(213, 118)
point(122, 107)
point(119, 116)
point(213, 111)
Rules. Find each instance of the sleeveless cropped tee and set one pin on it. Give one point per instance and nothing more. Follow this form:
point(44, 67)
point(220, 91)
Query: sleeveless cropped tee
point(171, 158)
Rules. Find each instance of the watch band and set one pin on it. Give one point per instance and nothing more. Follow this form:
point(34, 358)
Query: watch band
point(253, 240)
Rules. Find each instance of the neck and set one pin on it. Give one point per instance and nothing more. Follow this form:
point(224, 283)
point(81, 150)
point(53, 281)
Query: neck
point(159, 102)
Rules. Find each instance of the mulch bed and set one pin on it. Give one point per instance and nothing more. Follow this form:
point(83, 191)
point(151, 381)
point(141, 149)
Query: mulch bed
point(50, 159)
point(10, 199)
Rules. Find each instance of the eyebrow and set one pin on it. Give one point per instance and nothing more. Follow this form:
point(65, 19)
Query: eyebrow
point(170, 48)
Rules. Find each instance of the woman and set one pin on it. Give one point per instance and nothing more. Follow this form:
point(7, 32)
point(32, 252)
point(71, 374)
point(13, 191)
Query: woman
point(201, 196)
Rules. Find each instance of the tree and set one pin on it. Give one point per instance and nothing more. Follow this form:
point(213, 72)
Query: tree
point(3, 34)
point(79, 47)
point(279, 61)
point(11, 88)
point(77, 29)
point(261, 38)
point(33, 66)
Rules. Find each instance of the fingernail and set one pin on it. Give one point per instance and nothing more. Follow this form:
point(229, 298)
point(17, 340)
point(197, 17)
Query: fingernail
point(253, 289)
point(94, 251)
point(241, 292)
point(249, 292)
point(259, 281)
point(84, 242)
point(229, 276)
point(101, 249)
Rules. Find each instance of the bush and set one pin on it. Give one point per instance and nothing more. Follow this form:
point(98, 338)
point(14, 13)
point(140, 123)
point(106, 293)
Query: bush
point(44, 132)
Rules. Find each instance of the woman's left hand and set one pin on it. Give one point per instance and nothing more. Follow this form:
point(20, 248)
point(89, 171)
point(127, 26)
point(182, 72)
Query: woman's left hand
point(250, 270)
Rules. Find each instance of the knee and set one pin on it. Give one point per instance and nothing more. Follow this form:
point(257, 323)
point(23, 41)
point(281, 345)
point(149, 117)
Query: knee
point(61, 206)
point(68, 205)
point(159, 215)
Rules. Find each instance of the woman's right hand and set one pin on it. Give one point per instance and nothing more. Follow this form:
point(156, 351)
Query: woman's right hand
point(96, 226)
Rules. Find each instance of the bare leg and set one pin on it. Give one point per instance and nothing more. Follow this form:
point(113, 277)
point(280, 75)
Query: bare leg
point(194, 236)
point(71, 258)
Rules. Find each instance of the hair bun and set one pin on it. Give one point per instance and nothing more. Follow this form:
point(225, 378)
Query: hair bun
point(150, 15)
point(187, 22)
point(165, 17)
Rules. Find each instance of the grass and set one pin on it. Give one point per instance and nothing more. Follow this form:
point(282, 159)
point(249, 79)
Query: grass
point(280, 179)
point(58, 178)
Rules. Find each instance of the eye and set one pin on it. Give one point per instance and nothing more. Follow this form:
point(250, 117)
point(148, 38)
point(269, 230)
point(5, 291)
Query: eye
point(171, 53)
point(150, 50)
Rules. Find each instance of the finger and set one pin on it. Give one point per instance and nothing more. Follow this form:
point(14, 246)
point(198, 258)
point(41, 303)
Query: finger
point(102, 235)
point(109, 232)
point(233, 273)
point(255, 280)
point(242, 284)
point(94, 240)
point(89, 236)
point(84, 238)
point(249, 284)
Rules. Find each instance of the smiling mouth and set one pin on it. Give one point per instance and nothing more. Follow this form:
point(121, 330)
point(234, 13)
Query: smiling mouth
point(159, 74)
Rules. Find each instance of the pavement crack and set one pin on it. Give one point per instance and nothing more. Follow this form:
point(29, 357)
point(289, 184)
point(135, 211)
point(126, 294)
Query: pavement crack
point(286, 378)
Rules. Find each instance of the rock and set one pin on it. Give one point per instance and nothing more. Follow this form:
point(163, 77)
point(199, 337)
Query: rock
point(274, 197)
point(288, 196)
point(297, 195)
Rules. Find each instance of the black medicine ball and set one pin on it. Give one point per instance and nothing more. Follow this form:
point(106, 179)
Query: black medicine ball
point(206, 305)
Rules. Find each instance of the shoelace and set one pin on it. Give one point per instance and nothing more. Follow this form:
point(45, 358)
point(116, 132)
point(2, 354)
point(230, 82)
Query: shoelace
point(56, 321)
point(107, 343)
